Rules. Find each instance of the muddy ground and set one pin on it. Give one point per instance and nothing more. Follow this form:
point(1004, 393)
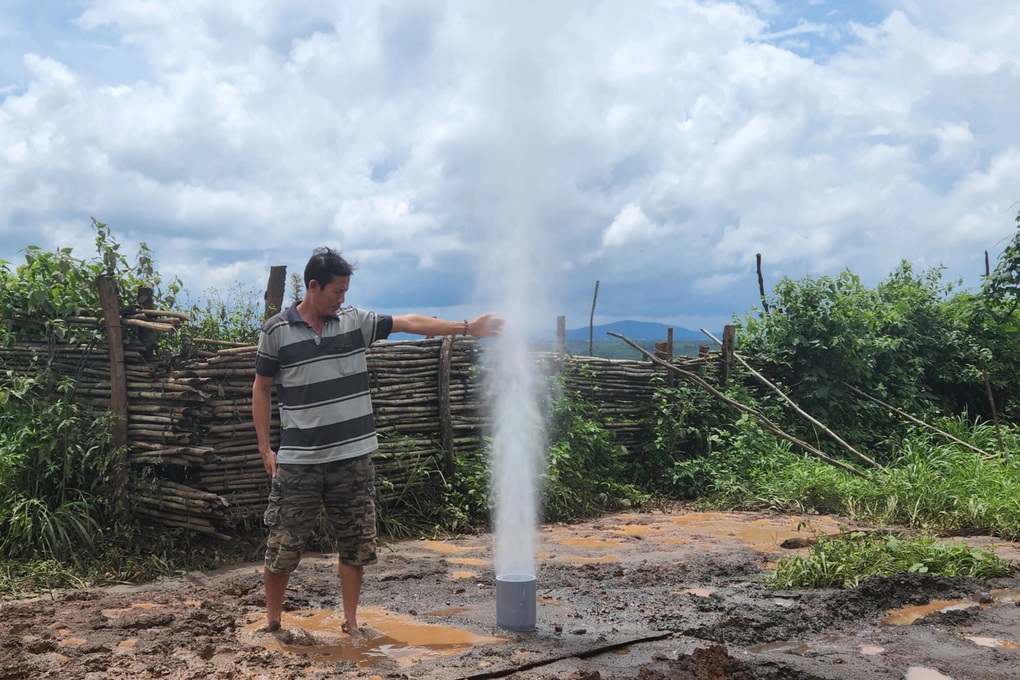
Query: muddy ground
point(636, 595)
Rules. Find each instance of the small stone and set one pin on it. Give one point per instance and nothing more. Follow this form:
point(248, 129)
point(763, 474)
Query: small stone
point(579, 631)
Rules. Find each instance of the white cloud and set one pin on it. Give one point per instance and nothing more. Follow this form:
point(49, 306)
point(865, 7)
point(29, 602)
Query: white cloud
point(630, 226)
point(426, 137)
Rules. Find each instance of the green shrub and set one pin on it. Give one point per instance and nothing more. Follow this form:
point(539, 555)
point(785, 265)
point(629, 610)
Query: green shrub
point(843, 561)
point(54, 469)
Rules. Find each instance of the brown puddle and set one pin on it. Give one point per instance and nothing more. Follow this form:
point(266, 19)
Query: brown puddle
point(992, 642)
point(764, 534)
point(907, 615)
point(699, 592)
point(922, 673)
point(871, 650)
point(443, 547)
point(593, 543)
point(400, 640)
point(446, 612)
point(463, 574)
point(638, 530)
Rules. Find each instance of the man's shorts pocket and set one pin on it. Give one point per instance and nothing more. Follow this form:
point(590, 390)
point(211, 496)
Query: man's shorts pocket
point(272, 515)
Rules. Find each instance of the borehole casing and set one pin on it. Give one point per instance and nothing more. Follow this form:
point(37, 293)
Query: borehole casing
point(515, 601)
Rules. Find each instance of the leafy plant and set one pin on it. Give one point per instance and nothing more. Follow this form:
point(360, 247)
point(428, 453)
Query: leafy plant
point(901, 341)
point(843, 561)
point(414, 506)
point(233, 315)
point(54, 469)
point(584, 471)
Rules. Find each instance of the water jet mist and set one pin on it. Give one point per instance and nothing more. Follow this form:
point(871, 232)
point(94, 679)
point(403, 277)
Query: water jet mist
point(520, 184)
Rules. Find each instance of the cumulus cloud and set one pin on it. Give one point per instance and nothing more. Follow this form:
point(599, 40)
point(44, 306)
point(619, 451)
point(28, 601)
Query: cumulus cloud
point(653, 147)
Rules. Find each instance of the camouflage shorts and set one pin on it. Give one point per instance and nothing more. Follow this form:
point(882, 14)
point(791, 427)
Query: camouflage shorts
point(345, 488)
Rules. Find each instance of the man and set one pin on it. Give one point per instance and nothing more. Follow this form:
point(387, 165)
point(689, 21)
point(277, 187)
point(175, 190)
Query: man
point(315, 354)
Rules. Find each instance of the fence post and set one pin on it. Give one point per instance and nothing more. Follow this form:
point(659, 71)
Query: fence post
point(107, 287)
point(146, 300)
point(728, 336)
point(275, 289)
point(664, 351)
point(670, 376)
point(561, 335)
point(445, 412)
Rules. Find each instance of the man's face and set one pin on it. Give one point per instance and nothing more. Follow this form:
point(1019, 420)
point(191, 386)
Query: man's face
point(329, 298)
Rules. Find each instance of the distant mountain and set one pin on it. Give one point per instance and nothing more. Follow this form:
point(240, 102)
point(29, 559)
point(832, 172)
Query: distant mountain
point(636, 330)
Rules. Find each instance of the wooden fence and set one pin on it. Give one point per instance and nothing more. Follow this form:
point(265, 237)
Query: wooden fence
point(191, 453)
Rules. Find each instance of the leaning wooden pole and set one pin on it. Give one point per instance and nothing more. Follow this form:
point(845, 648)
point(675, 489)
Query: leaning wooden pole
point(798, 410)
point(757, 415)
point(917, 421)
point(995, 413)
point(591, 321)
point(761, 284)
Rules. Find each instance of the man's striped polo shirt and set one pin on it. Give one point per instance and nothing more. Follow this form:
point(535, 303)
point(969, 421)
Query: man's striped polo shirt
point(322, 383)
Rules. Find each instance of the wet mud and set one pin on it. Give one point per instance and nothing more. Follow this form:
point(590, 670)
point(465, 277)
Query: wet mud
point(636, 595)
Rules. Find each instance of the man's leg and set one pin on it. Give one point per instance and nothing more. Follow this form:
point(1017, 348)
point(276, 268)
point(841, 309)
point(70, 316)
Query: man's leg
point(348, 497)
point(276, 589)
point(350, 592)
point(294, 499)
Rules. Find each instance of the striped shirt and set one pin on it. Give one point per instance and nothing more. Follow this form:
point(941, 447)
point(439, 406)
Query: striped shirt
point(322, 383)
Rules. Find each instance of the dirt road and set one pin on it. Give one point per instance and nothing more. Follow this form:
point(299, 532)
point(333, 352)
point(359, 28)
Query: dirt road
point(656, 595)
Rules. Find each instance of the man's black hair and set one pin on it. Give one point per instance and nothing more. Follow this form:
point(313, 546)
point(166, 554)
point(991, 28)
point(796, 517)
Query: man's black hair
point(324, 265)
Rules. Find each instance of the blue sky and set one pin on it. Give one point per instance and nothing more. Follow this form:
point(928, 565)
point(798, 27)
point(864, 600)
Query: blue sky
point(470, 156)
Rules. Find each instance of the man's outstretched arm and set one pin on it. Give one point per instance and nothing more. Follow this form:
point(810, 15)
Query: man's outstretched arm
point(484, 326)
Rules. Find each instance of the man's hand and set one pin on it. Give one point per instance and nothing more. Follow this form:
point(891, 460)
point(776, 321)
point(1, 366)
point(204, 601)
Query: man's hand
point(485, 326)
point(269, 461)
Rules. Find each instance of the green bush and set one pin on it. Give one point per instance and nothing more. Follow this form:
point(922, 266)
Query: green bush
point(903, 342)
point(54, 469)
point(584, 472)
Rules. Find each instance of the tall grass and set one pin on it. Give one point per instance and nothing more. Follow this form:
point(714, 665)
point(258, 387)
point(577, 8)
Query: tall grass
point(931, 484)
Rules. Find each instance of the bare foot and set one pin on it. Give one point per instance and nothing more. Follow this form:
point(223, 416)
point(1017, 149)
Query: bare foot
point(360, 633)
point(270, 627)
